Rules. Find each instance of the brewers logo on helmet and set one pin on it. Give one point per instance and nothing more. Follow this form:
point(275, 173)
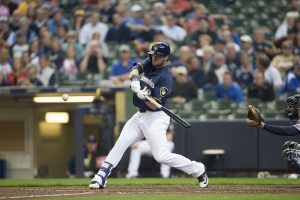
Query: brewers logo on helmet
point(160, 49)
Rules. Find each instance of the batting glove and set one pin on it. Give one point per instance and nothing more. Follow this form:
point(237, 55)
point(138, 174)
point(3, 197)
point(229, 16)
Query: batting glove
point(135, 84)
point(143, 94)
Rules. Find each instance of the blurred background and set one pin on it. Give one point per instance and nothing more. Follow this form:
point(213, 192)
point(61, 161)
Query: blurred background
point(225, 55)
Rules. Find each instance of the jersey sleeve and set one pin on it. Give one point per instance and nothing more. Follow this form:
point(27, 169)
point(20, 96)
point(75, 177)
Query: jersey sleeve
point(142, 65)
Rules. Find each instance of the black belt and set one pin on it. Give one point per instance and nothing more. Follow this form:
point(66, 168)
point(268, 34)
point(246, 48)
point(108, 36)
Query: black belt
point(142, 110)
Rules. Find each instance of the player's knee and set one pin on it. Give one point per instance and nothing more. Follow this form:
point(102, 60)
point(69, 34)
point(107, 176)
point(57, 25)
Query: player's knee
point(162, 158)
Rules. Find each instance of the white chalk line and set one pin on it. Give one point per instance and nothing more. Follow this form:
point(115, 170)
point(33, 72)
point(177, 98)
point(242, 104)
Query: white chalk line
point(46, 195)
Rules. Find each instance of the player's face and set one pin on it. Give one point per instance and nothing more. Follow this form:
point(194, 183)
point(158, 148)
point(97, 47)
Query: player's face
point(158, 61)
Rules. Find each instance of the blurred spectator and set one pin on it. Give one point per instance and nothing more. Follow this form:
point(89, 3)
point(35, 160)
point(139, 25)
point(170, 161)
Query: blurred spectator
point(20, 45)
point(246, 46)
point(121, 68)
point(184, 89)
point(219, 67)
point(72, 42)
point(232, 57)
point(90, 162)
point(79, 20)
point(31, 78)
point(5, 66)
point(24, 29)
point(40, 20)
point(119, 32)
point(271, 74)
point(261, 89)
point(57, 21)
point(292, 80)
point(142, 148)
point(183, 55)
point(244, 75)
point(107, 9)
point(45, 71)
point(287, 23)
point(284, 61)
point(195, 71)
point(195, 22)
point(3, 81)
point(25, 59)
point(201, 29)
point(296, 47)
point(45, 41)
point(93, 61)
point(10, 5)
point(56, 55)
point(17, 75)
point(34, 52)
point(69, 65)
point(228, 26)
point(177, 6)
point(94, 25)
point(229, 89)
point(14, 21)
point(141, 49)
point(4, 28)
point(147, 31)
point(227, 36)
point(135, 22)
point(171, 30)
point(260, 43)
point(158, 17)
point(206, 55)
point(25, 4)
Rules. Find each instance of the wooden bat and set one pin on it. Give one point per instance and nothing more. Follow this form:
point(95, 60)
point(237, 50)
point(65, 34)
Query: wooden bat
point(178, 119)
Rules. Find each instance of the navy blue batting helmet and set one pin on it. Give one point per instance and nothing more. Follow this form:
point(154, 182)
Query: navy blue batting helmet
point(160, 49)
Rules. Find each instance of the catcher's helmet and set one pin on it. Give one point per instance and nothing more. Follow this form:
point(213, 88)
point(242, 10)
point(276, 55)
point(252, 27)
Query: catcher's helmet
point(160, 49)
point(291, 107)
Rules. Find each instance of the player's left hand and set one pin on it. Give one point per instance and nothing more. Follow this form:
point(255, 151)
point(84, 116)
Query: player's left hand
point(143, 94)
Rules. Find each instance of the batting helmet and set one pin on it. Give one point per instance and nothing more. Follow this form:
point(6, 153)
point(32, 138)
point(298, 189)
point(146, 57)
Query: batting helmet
point(160, 49)
point(291, 107)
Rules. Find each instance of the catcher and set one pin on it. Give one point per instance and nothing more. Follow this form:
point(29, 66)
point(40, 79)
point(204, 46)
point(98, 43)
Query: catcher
point(291, 150)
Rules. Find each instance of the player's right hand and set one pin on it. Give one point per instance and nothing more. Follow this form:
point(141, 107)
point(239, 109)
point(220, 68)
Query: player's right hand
point(143, 94)
point(135, 86)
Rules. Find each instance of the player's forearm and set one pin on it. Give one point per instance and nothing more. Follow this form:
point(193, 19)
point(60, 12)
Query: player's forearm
point(133, 72)
point(281, 130)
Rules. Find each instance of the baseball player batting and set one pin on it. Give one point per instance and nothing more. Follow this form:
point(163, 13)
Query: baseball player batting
point(291, 150)
point(150, 77)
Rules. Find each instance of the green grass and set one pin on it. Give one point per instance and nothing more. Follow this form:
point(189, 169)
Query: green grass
point(148, 181)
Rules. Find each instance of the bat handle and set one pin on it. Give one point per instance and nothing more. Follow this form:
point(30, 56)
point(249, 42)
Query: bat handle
point(152, 101)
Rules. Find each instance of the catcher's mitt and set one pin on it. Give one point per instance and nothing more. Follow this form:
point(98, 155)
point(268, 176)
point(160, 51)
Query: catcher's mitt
point(254, 118)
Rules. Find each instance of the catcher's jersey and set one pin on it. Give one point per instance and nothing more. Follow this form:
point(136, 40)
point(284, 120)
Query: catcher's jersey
point(297, 125)
point(157, 80)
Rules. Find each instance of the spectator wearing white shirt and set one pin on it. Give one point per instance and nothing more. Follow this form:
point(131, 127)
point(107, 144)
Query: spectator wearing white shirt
point(171, 30)
point(94, 25)
point(272, 74)
point(5, 66)
point(45, 71)
point(20, 46)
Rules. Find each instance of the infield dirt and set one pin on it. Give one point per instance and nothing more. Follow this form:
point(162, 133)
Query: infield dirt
point(76, 191)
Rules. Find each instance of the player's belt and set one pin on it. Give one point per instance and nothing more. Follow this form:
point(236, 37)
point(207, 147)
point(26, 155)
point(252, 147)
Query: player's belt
point(142, 110)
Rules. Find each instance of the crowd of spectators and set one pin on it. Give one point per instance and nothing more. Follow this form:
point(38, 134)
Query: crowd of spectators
point(43, 40)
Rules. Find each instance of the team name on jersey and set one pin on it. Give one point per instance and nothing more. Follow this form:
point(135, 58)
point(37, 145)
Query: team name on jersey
point(148, 81)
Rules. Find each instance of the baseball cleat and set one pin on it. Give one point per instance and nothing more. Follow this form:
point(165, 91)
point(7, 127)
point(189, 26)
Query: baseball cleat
point(94, 185)
point(203, 180)
point(98, 182)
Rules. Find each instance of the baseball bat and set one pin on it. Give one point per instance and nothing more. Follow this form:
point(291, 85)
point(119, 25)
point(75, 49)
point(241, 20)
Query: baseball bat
point(178, 119)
